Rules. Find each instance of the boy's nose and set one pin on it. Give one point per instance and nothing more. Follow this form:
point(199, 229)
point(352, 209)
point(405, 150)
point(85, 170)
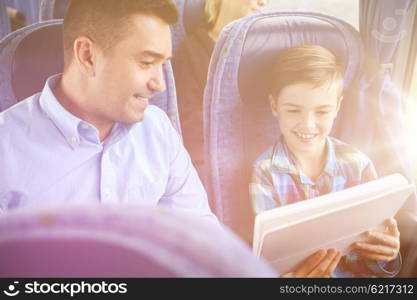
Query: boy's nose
point(309, 121)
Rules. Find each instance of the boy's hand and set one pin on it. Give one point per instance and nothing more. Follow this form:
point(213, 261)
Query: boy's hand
point(383, 245)
point(320, 264)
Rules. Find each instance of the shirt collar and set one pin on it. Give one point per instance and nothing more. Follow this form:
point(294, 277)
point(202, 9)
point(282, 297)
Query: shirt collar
point(69, 125)
point(331, 161)
point(66, 122)
point(281, 159)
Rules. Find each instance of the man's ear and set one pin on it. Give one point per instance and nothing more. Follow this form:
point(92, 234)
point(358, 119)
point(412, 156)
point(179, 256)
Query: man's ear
point(85, 53)
point(273, 104)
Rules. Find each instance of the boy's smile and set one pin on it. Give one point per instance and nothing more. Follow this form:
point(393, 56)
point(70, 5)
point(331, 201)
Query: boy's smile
point(305, 137)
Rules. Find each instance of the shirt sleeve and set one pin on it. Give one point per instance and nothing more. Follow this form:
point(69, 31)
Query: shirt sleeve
point(354, 265)
point(262, 191)
point(184, 189)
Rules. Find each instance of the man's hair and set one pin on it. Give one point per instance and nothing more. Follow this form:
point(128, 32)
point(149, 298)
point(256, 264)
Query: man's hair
point(105, 21)
point(308, 63)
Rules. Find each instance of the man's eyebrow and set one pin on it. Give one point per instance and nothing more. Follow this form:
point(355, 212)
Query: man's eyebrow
point(155, 55)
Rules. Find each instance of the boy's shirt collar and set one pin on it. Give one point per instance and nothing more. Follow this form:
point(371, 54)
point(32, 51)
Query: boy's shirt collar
point(282, 159)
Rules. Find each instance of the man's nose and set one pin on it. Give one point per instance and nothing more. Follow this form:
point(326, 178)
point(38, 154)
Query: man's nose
point(157, 81)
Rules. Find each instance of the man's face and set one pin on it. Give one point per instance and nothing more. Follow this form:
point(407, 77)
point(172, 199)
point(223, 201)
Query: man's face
point(306, 115)
point(130, 73)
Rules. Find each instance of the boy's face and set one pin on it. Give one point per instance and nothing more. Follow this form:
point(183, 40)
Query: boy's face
point(306, 114)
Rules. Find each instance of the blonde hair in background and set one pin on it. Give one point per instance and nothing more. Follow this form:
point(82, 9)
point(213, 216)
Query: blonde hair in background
point(211, 11)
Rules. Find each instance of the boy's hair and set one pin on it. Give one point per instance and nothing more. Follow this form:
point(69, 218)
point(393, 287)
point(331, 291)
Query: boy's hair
point(105, 21)
point(307, 63)
point(211, 11)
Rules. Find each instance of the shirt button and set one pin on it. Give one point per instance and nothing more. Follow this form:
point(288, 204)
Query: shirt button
point(107, 193)
point(85, 126)
point(74, 139)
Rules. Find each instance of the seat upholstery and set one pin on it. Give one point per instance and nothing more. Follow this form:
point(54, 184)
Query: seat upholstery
point(52, 9)
point(30, 55)
point(238, 123)
point(30, 9)
point(4, 20)
point(120, 241)
point(191, 15)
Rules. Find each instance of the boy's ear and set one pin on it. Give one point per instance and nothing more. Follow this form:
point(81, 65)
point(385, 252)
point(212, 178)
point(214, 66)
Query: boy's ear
point(273, 104)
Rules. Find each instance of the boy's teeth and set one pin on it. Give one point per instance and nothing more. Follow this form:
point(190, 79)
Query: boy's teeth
point(306, 136)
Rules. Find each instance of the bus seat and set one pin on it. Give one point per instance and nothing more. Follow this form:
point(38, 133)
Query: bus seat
point(31, 54)
point(52, 9)
point(238, 123)
point(30, 9)
point(27, 57)
point(117, 241)
point(191, 15)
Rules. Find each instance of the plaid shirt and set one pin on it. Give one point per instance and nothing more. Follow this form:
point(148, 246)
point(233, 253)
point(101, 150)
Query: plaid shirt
point(277, 181)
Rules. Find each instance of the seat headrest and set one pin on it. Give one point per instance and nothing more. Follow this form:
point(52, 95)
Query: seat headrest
point(272, 33)
point(120, 241)
point(38, 55)
point(193, 14)
point(60, 7)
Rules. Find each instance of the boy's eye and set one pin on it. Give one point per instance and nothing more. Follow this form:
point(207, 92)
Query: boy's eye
point(293, 111)
point(323, 112)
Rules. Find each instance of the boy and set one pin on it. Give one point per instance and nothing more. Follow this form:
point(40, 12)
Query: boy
point(305, 96)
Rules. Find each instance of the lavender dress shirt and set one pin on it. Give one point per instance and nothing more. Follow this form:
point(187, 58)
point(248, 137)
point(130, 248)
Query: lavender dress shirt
point(50, 157)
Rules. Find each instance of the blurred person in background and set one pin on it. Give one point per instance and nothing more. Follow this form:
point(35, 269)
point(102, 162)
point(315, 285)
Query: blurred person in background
point(17, 19)
point(191, 67)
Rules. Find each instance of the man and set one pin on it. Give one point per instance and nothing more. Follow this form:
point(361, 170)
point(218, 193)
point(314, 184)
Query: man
point(90, 135)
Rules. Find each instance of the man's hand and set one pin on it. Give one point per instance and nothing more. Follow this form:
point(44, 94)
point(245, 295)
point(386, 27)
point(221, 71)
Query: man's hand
point(383, 245)
point(320, 264)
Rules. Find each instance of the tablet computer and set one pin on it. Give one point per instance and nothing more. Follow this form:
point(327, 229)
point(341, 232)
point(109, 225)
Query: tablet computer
point(287, 235)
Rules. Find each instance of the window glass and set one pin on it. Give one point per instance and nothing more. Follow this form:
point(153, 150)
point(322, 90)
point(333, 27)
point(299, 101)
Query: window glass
point(411, 114)
point(347, 10)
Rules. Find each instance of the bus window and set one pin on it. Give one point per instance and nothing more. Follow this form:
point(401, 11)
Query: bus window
point(342, 9)
point(405, 77)
point(411, 114)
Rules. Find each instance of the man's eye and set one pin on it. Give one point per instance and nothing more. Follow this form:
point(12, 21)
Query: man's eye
point(293, 111)
point(146, 64)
